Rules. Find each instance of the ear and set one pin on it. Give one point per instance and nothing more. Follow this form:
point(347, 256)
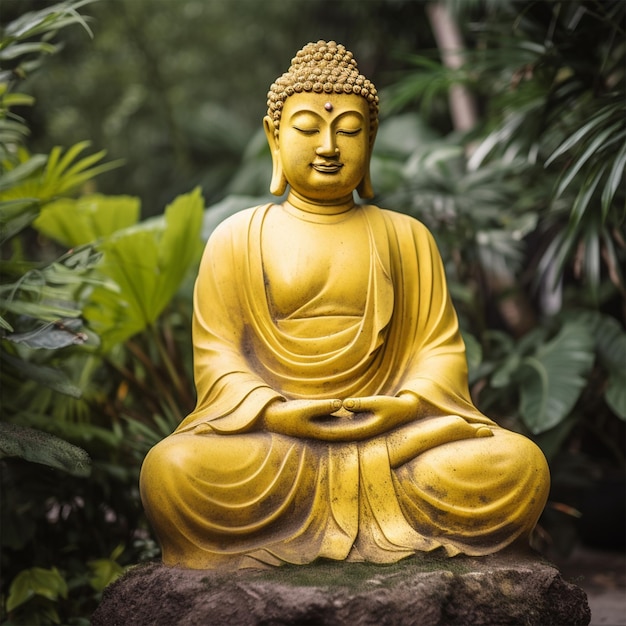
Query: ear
point(364, 188)
point(278, 183)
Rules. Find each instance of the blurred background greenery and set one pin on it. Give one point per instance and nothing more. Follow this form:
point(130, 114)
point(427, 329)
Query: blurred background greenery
point(512, 150)
point(178, 89)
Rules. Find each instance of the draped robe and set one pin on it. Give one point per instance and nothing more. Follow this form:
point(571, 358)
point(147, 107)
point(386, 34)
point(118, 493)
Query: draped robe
point(221, 492)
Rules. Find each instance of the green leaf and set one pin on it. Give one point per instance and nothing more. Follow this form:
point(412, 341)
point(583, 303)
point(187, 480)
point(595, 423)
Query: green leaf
point(36, 581)
point(103, 573)
point(552, 379)
point(148, 263)
point(47, 20)
point(15, 216)
point(11, 132)
point(79, 431)
point(51, 292)
point(117, 552)
point(615, 179)
point(65, 172)
point(49, 377)
point(584, 196)
point(502, 376)
point(17, 99)
point(181, 245)
point(5, 325)
point(21, 172)
point(131, 262)
point(580, 134)
point(17, 50)
point(87, 219)
point(598, 142)
point(51, 335)
point(615, 394)
point(45, 178)
point(610, 340)
point(591, 263)
point(48, 311)
point(40, 447)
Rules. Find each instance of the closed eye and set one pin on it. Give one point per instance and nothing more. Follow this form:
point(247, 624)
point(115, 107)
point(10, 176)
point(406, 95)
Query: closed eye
point(343, 131)
point(306, 131)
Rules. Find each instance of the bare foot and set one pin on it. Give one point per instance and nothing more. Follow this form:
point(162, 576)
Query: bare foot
point(406, 443)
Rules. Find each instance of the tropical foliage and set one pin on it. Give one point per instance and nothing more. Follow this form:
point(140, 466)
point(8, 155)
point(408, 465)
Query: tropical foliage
point(91, 374)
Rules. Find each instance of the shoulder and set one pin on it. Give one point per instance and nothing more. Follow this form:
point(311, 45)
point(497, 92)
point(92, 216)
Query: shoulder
point(229, 240)
point(401, 223)
point(234, 223)
point(234, 228)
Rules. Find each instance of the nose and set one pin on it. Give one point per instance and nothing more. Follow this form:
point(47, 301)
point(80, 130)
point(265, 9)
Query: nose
point(328, 147)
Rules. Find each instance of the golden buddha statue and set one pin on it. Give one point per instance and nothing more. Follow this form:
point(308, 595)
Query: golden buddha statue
point(333, 417)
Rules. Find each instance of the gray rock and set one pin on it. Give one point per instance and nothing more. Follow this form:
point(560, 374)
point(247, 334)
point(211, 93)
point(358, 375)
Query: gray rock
point(511, 587)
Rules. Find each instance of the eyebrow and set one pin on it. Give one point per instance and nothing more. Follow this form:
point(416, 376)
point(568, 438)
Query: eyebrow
point(302, 112)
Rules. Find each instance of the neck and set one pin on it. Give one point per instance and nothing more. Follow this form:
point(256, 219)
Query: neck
point(336, 207)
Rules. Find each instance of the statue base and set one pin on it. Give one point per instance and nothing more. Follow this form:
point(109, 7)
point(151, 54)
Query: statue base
point(510, 587)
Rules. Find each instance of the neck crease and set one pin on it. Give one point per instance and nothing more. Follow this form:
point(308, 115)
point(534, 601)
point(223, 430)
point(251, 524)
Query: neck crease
point(319, 208)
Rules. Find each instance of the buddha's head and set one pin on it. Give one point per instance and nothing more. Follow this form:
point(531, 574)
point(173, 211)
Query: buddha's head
point(321, 124)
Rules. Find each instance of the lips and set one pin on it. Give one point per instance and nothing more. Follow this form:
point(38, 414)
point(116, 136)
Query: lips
point(326, 167)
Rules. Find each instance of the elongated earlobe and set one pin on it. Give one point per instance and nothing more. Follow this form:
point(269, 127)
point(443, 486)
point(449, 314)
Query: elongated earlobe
point(278, 184)
point(364, 188)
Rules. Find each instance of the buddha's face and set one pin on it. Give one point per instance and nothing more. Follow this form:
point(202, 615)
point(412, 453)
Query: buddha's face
point(324, 144)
